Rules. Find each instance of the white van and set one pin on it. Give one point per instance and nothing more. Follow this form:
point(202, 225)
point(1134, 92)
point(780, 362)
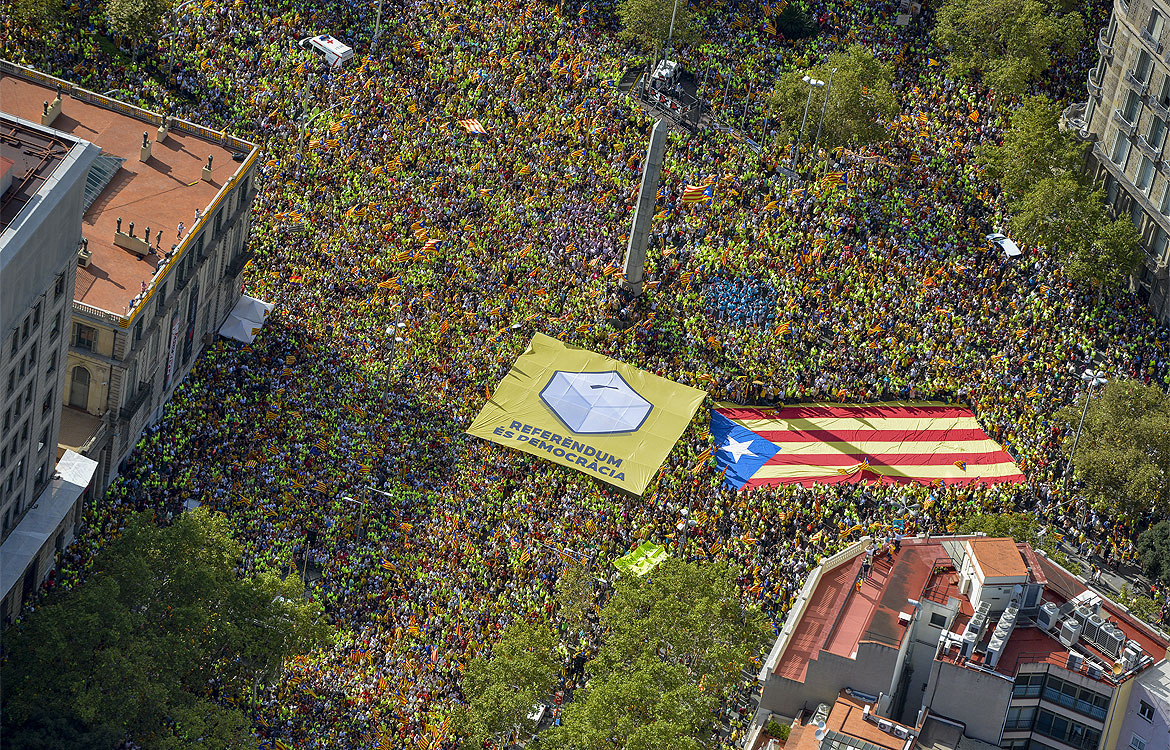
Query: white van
point(335, 53)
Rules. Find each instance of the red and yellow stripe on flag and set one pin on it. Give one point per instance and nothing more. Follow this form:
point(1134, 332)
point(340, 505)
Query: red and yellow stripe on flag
point(896, 442)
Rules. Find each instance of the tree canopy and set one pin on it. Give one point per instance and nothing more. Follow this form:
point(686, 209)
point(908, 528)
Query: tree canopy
point(1038, 168)
point(675, 644)
point(138, 20)
point(647, 22)
point(1153, 548)
point(131, 651)
point(1033, 149)
point(1007, 42)
point(1123, 455)
point(861, 100)
point(502, 688)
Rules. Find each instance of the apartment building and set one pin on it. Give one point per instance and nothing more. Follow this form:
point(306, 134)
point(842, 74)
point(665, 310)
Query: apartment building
point(1125, 118)
point(980, 634)
point(164, 240)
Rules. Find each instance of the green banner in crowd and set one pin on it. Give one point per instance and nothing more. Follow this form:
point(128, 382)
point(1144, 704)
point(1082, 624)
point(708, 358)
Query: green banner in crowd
point(588, 412)
point(642, 560)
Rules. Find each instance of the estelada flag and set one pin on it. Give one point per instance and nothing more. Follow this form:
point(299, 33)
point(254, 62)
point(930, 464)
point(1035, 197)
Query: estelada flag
point(896, 442)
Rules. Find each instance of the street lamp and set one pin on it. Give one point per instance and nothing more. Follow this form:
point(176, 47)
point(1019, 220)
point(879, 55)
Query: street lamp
point(813, 83)
point(824, 106)
point(304, 123)
point(361, 511)
point(1092, 378)
point(670, 34)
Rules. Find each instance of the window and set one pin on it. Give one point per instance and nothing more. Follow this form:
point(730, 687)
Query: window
point(1028, 686)
point(56, 326)
point(1020, 717)
point(1154, 25)
point(1158, 246)
point(47, 402)
point(1146, 711)
point(37, 315)
point(1066, 730)
point(1136, 742)
point(1157, 133)
point(52, 362)
point(44, 440)
point(15, 343)
point(1079, 699)
point(138, 330)
point(218, 220)
point(1141, 71)
point(938, 620)
point(59, 289)
point(11, 381)
point(86, 337)
point(40, 477)
point(1145, 175)
point(1120, 148)
point(32, 356)
point(1132, 107)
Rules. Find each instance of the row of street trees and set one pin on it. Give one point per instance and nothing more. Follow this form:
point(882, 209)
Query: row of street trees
point(673, 646)
point(133, 652)
point(137, 20)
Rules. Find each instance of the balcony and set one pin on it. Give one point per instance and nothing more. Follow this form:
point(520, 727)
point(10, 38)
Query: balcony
point(237, 265)
point(1138, 85)
point(1104, 47)
point(1093, 86)
point(1151, 41)
point(1159, 107)
point(1147, 148)
point(1123, 124)
point(134, 404)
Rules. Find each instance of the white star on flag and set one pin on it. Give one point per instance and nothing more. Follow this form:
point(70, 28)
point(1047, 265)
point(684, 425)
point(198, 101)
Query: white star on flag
point(737, 448)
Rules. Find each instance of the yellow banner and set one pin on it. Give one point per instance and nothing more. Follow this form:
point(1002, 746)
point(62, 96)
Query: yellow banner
point(586, 411)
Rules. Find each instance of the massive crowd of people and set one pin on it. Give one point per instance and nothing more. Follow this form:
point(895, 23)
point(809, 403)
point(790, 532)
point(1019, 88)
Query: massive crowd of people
point(327, 439)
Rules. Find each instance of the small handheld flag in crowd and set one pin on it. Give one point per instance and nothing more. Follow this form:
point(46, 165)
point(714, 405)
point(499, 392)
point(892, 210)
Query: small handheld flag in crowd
point(473, 126)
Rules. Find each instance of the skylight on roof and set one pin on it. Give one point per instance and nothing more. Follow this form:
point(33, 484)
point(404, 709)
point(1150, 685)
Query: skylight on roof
point(101, 171)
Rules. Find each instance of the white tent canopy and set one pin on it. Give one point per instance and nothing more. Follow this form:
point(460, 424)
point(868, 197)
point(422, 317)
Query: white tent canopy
point(1010, 248)
point(246, 319)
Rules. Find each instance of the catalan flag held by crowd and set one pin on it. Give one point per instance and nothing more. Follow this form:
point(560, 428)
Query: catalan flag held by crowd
point(473, 126)
point(699, 193)
point(896, 442)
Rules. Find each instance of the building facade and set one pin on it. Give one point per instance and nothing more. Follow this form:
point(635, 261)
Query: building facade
point(1146, 722)
point(43, 175)
point(164, 243)
point(1125, 119)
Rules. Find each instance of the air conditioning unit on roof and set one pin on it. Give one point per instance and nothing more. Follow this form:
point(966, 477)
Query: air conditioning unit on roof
point(1049, 615)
